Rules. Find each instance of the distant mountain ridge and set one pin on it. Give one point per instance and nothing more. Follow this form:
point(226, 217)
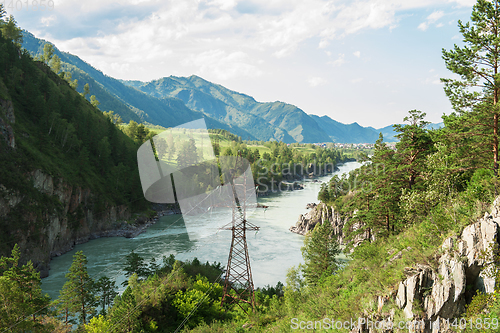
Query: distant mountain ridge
point(267, 121)
point(129, 103)
point(171, 101)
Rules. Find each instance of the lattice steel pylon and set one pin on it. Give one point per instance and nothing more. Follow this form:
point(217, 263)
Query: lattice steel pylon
point(238, 275)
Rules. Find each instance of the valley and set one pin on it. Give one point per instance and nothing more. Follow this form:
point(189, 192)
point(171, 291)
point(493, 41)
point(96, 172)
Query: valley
point(120, 199)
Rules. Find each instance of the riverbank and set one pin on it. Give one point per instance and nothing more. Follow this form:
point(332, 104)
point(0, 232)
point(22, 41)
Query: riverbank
point(295, 182)
point(125, 229)
point(273, 250)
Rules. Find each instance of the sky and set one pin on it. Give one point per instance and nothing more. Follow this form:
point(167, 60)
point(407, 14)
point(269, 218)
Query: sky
point(364, 61)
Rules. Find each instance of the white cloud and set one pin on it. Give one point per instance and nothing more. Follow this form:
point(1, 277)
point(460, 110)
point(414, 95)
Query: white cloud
point(356, 80)
point(316, 81)
point(432, 19)
point(464, 3)
point(435, 16)
point(47, 20)
point(222, 65)
point(323, 43)
point(357, 54)
point(423, 26)
point(223, 4)
point(339, 61)
point(276, 27)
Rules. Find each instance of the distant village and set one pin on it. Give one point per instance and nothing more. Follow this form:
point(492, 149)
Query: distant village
point(391, 145)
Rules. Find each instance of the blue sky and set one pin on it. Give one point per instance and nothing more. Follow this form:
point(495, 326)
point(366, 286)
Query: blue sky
point(365, 61)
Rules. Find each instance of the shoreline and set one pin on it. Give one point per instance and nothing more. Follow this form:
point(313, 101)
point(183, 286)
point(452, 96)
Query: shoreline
point(299, 180)
point(121, 229)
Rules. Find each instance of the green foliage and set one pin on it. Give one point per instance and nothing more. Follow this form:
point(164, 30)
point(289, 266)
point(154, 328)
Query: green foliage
point(9, 29)
point(93, 100)
point(86, 90)
point(477, 63)
point(98, 324)
point(48, 52)
point(77, 297)
point(61, 134)
point(134, 264)
point(481, 186)
point(201, 302)
point(105, 291)
point(22, 303)
point(319, 252)
point(286, 163)
point(124, 315)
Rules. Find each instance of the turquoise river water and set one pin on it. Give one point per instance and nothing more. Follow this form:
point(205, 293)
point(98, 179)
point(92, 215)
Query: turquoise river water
point(273, 249)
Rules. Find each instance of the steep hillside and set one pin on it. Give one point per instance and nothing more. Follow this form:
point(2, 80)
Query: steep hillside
point(171, 101)
point(277, 120)
point(67, 172)
point(216, 102)
point(129, 103)
point(351, 133)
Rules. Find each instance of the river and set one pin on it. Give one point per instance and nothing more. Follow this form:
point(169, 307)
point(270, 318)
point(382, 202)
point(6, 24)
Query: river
point(273, 249)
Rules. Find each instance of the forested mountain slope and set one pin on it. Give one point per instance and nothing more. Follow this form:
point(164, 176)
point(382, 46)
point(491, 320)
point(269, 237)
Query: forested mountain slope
point(129, 103)
point(277, 120)
point(66, 170)
point(171, 101)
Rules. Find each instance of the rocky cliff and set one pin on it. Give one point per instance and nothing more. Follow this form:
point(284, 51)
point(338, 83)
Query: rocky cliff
point(66, 171)
point(431, 296)
point(77, 220)
point(323, 213)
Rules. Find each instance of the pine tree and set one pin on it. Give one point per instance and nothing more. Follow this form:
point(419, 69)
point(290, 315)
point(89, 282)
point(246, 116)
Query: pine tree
point(476, 94)
point(77, 297)
point(414, 146)
point(135, 264)
point(124, 315)
point(21, 298)
point(105, 290)
point(9, 28)
point(141, 133)
point(378, 190)
point(319, 252)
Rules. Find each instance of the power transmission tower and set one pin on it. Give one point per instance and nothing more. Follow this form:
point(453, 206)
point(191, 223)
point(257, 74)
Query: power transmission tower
point(238, 275)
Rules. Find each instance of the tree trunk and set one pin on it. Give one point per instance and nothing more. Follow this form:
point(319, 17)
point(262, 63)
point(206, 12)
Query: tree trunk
point(495, 101)
point(495, 142)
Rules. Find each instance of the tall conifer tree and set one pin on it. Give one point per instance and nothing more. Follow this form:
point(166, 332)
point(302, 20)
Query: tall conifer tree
point(77, 295)
point(476, 94)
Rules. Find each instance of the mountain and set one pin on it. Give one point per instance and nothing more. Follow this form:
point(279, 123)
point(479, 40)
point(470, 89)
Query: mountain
point(171, 101)
point(352, 133)
point(66, 171)
point(129, 103)
point(355, 133)
point(267, 121)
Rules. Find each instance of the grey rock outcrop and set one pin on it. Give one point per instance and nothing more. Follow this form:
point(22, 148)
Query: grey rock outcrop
point(322, 213)
point(76, 222)
point(441, 293)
